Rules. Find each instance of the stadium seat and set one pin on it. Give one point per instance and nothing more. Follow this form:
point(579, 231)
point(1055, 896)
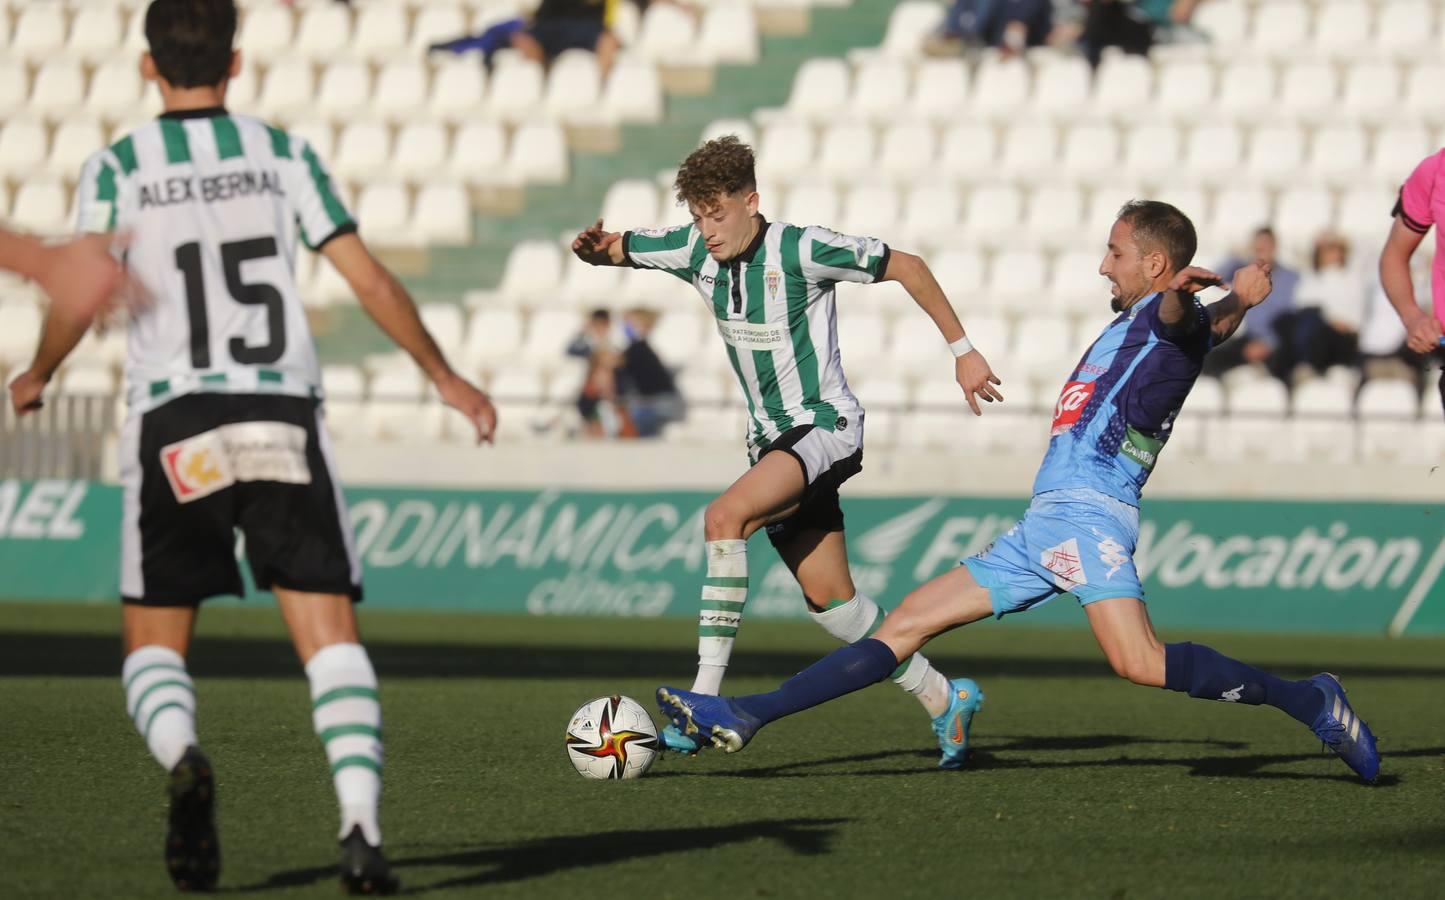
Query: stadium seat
point(915, 343)
point(845, 151)
point(446, 322)
point(1300, 215)
point(73, 143)
point(677, 337)
point(968, 152)
point(1276, 154)
point(930, 214)
point(872, 210)
point(1122, 86)
point(14, 86)
point(584, 286)
point(1397, 150)
point(327, 286)
point(728, 34)
point(1321, 429)
point(1235, 214)
point(539, 154)
point(1405, 28)
point(1422, 93)
point(401, 91)
point(862, 337)
point(436, 22)
point(41, 206)
point(420, 152)
point(1339, 26)
point(320, 135)
point(342, 382)
point(1029, 150)
point(1152, 150)
point(240, 93)
point(811, 204)
point(573, 85)
point(992, 215)
point(1281, 29)
point(265, 33)
point(386, 210)
point(1226, 24)
point(1388, 398)
point(442, 215)
point(1091, 152)
point(532, 273)
point(705, 392)
point(516, 90)
point(1308, 91)
point(115, 90)
point(324, 32)
point(345, 90)
point(1190, 200)
point(940, 90)
point(1182, 89)
point(1016, 282)
point(363, 150)
point(1075, 285)
point(1338, 155)
point(59, 90)
point(668, 36)
point(1371, 91)
point(548, 333)
point(95, 33)
point(633, 93)
point(479, 153)
point(23, 148)
point(741, 128)
point(1360, 211)
point(493, 336)
point(87, 379)
point(1252, 431)
point(786, 151)
point(1000, 88)
point(908, 151)
point(1054, 216)
point(1247, 91)
point(19, 331)
point(880, 90)
point(1061, 88)
point(458, 89)
point(380, 32)
point(288, 90)
point(630, 204)
point(39, 32)
point(820, 90)
point(908, 24)
point(1388, 409)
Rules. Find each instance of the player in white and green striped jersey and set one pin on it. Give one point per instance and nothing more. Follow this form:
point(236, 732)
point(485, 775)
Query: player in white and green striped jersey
point(770, 286)
point(225, 427)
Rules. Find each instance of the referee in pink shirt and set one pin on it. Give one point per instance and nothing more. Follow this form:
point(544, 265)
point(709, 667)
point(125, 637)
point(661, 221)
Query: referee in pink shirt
point(1421, 205)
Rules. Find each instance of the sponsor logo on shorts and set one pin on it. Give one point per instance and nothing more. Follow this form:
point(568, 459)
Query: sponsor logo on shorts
point(242, 451)
point(1072, 400)
point(1111, 554)
point(1063, 560)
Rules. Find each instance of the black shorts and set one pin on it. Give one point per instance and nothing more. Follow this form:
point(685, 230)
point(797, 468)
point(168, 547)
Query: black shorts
point(828, 459)
point(200, 468)
point(560, 35)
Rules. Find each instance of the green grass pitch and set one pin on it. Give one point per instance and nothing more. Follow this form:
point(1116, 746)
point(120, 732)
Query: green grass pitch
point(1082, 785)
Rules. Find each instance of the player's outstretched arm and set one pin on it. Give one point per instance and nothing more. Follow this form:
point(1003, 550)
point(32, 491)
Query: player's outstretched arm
point(970, 369)
point(598, 247)
point(1251, 286)
point(1423, 330)
point(391, 307)
point(1176, 308)
point(81, 279)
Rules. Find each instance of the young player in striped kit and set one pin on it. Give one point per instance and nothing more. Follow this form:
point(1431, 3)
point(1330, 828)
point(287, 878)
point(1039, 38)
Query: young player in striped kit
point(770, 287)
point(224, 430)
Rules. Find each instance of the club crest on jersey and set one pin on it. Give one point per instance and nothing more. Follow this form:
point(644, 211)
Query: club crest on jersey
point(773, 279)
point(1072, 400)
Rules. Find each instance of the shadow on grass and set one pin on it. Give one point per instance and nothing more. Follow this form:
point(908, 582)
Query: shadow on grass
point(1000, 755)
point(523, 860)
point(100, 656)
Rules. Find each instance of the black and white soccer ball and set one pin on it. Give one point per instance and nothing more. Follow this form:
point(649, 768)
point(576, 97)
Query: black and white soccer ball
point(611, 737)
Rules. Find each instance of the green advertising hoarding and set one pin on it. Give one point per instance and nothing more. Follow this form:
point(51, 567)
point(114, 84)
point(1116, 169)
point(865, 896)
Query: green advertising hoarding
point(1263, 565)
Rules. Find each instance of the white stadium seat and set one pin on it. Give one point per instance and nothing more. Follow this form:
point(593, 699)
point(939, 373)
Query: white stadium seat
point(23, 147)
point(14, 85)
point(363, 150)
point(811, 204)
point(907, 152)
point(1122, 86)
point(993, 214)
point(324, 31)
point(574, 85)
point(73, 143)
point(41, 206)
point(380, 31)
point(968, 152)
point(1360, 213)
point(345, 90)
point(1338, 154)
point(940, 89)
point(1236, 213)
point(1281, 28)
point(1247, 91)
point(1276, 153)
point(742, 129)
point(446, 322)
point(1091, 152)
point(1308, 91)
point(1029, 149)
point(1405, 28)
point(633, 92)
point(385, 209)
point(95, 33)
point(458, 91)
point(1001, 88)
point(1321, 428)
point(401, 90)
point(1152, 149)
point(1422, 92)
point(493, 336)
point(786, 151)
point(871, 209)
point(678, 337)
point(240, 93)
point(960, 272)
point(668, 35)
point(585, 286)
point(516, 90)
point(1257, 407)
point(1054, 216)
point(1212, 154)
point(1075, 285)
point(59, 89)
point(930, 214)
point(321, 135)
point(1387, 398)
point(1338, 27)
point(39, 31)
point(1397, 151)
point(19, 330)
point(820, 90)
point(862, 337)
point(442, 215)
point(845, 151)
point(539, 154)
point(532, 273)
point(1061, 87)
point(479, 153)
point(435, 23)
point(729, 34)
point(908, 24)
point(1301, 214)
point(1016, 279)
point(630, 204)
point(86, 379)
point(1227, 24)
point(288, 89)
point(880, 90)
point(1043, 349)
point(1182, 89)
point(1371, 91)
point(548, 333)
point(342, 382)
point(421, 151)
point(116, 90)
point(265, 33)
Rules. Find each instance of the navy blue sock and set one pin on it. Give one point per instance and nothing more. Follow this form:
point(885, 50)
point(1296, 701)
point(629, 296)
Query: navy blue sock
point(843, 671)
point(1202, 672)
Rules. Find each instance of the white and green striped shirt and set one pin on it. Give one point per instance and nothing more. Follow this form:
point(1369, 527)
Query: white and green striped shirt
point(775, 310)
point(213, 204)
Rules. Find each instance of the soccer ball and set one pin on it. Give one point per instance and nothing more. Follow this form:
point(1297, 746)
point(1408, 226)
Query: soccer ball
point(611, 737)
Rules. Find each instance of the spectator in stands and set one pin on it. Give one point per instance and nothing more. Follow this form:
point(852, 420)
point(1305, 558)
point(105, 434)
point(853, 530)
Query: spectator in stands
point(1011, 26)
point(603, 415)
point(644, 383)
point(1331, 298)
point(1131, 25)
point(594, 337)
point(1268, 337)
point(556, 26)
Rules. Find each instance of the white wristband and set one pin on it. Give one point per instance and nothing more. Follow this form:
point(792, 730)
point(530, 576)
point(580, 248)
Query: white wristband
point(961, 346)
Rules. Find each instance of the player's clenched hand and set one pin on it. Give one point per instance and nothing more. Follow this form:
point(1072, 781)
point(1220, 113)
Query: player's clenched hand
point(1424, 333)
point(25, 392)
point(470, 401)
point(1193, 279)
point(977, 380)
point(1252, 283)
point(592, 245)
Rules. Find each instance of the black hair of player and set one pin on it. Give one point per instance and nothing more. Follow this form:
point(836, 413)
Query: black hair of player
point(1158, 225)
point(190, 40)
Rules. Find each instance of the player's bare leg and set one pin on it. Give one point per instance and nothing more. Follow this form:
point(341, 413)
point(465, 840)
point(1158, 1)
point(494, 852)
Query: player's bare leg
point(1125, 634)
point(161, 700)
point(768, 492)
point(347, 716)
point(946, 602)
point(819, 560)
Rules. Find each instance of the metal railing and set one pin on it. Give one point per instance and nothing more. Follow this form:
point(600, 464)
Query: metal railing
point(66, 438)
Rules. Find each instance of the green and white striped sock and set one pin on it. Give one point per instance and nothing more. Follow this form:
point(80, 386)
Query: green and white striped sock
point(724, 592)
point(853, 620)
point(347, 716)
point(161, 701)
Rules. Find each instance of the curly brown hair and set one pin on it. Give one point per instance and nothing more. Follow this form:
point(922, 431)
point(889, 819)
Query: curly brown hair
point(719, 167)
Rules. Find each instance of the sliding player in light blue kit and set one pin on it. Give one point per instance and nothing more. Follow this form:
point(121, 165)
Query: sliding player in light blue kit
point(1079, 533)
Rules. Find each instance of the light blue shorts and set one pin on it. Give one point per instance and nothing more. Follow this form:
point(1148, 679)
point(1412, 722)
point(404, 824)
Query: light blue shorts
point(1073, 541)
